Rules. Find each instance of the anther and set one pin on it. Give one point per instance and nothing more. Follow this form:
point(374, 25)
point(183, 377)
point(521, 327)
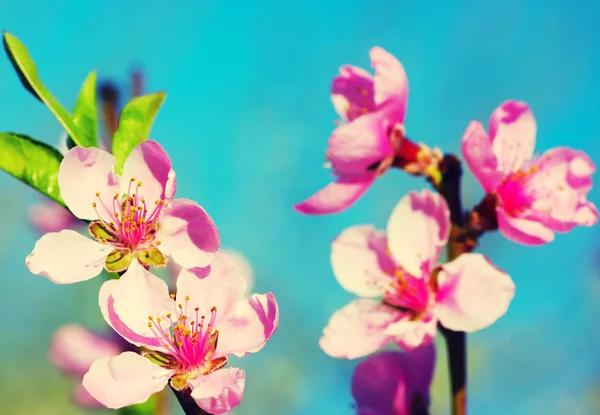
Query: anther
point(149, 324)
point(172, 296)
point(94, 204)
point(157, 243)
point(197, 309)
point(158, 320)
point(97, 193)
point(133, 179)
point(187, 298)
point(168, 315)
point(180, 306)
point(139, 183)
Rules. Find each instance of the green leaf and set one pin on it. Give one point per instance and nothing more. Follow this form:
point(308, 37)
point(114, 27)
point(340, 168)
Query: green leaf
point(33, 162)
point(146, 408)
point(85, 115)
point(135, 123)
point(27, 71)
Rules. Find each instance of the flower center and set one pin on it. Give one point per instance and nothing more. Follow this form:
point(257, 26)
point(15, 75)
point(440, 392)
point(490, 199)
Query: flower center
point(408, 292)
point(191, 344)
point(131, 230)
point(516, 193)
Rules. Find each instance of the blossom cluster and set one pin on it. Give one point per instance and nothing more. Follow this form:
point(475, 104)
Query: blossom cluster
point(405, 293)
point(181, 338)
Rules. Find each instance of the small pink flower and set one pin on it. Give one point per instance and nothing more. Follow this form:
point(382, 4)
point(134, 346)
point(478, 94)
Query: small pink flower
point(185, 338)
point(134, 217)
point(394, 382)
point(466, 294)
point(535, 196)
point(73, 349)
point(364, 147)
point(49, 216)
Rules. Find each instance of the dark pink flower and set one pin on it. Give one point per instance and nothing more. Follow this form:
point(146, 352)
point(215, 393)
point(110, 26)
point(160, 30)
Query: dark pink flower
point(394, 382)
point(373, 108)
point(134, 218)
point(535, 196)
point(49, 216)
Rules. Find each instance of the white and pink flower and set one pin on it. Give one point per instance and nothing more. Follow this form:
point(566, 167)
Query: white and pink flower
point(133, 216)
point(466, 294)
point(185, 337)
point(535, 196)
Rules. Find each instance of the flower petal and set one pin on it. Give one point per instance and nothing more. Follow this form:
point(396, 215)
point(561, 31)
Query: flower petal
point(477, 150)
point(188, 234)
point(390, 79)
point(219, 391)
point(222, 287)
point(127, 303)
point(66, 257)
point(74, 348)
point(52, 217)
point(83, 173)
point(355, 146)
point(251, 325)
point(149, 164)
point(335, 197)
point(360, 262)
point(411, 334)
point(394, 382)
point(124, 380)
point(417, 230)
point(352, 92)
point(358, 329)
point(472, 293)
point(512, 131)
point(522, 231)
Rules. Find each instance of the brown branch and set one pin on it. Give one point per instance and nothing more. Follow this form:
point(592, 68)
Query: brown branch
point(188, 404)
point(456, 341)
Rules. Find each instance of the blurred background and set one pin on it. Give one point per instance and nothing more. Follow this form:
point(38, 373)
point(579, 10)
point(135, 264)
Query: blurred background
point(246, 121)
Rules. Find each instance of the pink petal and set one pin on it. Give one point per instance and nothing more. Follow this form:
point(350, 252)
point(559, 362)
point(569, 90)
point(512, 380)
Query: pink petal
point(523, 231)
point(73, 349)
point(127, 303)
point(410, 334)
point(124, 380)
point(360, 261)
point(355, 146)
point(149, 164)
point(417, 231)
point(52, 217)
point(477, 150)
point(390, 79)
point(358, 329)
point(67, 257)
point(219, 391)
point(472, 293)
point(83, 398)
point(335, 197)
point(586, 215)
point(188, 234)
point(352, 92)
point(512, 131)
point(251, 325)
point(222, 287)
point(84, 172)
point(394, 382)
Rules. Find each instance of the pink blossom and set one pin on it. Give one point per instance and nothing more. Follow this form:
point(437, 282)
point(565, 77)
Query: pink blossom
point(133, 217)
point(535, 196)
point(185, 338)
point(363, 147)
point(466, 294)
point(394, 382)
point(73, 349)
point(49, 216)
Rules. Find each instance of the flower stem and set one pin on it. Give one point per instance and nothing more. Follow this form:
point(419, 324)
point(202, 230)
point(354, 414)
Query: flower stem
point(456, 341)
point(188, 404)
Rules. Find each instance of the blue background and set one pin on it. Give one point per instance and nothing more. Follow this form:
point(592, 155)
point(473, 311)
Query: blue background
point(246, 121)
